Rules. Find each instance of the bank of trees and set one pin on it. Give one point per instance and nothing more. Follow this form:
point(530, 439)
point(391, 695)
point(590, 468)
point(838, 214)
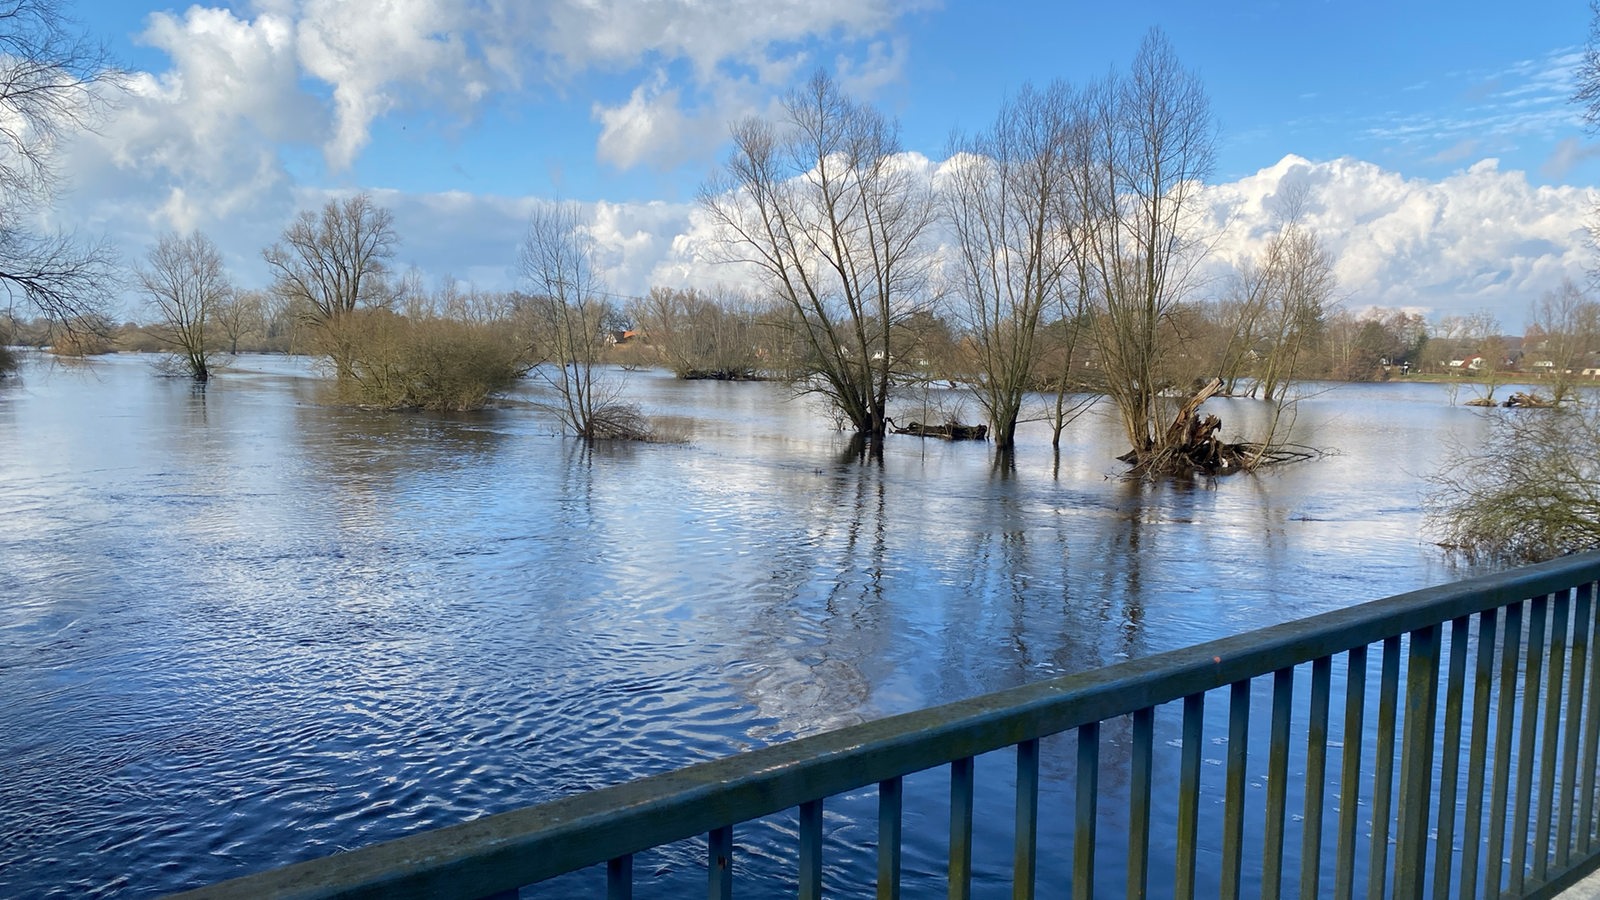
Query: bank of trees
point(1077, 208)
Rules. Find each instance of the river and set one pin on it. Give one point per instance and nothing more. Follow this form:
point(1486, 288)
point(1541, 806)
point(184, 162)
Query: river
point(241, 628)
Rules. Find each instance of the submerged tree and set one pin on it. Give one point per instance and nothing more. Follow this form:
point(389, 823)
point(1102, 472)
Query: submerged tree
point(332, 263)
point(1530, 491)
point(823, 206)
point(53, 82)
point(240, 314)
point(1004, 196)
point(1294, 288)
point(1147, 155)
point(567, 314)
point(185, 282)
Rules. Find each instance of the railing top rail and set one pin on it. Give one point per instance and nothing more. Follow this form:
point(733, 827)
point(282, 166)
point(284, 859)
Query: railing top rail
point(523, 846)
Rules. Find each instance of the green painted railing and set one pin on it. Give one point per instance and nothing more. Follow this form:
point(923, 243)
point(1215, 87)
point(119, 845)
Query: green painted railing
point(1489, 687)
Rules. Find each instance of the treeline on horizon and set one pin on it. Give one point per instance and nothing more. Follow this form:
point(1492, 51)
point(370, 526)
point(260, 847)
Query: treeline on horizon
point(734, 335)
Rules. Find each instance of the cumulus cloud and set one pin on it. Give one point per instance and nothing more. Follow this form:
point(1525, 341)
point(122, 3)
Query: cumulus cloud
point(248, 95)
point(1479, 238)
point(197, 144)
point(652, 128)
point(377, 58)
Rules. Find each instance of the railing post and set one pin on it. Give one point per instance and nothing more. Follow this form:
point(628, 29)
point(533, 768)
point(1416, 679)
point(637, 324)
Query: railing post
point(1233, 804)
point(1555, 676)
point(1569, 751)
point(1383, 769)
point(1478, 752)
point(1139, 803)
point(1316, 777)
point(1528, 729)
point(1083, 837)
point(961, 773)
point(719, 851)
point(1194, 707)
point(1024, 865)
point(889, 803)
point(1416, 763)
point(619, 878)
point(1277, 783)
point(811, 850)
point(1450, 759)
point(1591, 743)
point(1504, 731)
point(1355, 696)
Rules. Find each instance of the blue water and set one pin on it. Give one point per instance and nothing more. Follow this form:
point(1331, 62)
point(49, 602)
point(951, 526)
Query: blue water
point(240, 628)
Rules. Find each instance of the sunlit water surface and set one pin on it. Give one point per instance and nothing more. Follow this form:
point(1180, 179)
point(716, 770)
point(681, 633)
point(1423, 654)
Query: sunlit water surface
point(240, 628)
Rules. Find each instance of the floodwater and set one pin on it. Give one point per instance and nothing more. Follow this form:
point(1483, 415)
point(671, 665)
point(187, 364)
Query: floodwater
point(240, 628)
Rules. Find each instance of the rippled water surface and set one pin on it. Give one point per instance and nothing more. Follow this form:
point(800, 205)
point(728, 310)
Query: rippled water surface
point(239, 628)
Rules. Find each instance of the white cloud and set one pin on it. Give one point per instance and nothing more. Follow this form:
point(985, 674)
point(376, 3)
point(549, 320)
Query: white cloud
point(379, 56)
point(706, 33)
point(1479, 238)
point(220, 129)
point(196, 145)
point(652, 128)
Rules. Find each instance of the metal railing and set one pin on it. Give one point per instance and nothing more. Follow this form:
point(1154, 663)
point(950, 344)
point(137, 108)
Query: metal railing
point(1494, 679)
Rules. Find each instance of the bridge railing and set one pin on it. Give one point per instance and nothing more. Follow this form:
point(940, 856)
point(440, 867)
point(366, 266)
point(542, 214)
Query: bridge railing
point(1446, 744)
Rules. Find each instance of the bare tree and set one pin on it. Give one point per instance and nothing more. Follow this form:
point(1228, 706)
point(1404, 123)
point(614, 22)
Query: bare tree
point(821, 204)
point(240, 314)
point(700, 336)
point(185, 282)
point(1481, 348)
point(567, 313)
point(1149, 152)
point(1013, 255)
point(1565, 330)
point(1295, 287)
point(53, 83)
point(333, 263)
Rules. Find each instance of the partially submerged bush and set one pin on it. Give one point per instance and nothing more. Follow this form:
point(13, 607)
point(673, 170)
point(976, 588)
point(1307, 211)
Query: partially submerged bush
point(618, 422)
point(1530, 492)
point(432, 363)
point(10, 361)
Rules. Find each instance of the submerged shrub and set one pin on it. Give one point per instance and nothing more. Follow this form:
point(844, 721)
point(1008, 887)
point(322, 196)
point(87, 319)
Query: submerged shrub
point(432, 363)
point(1528, 493)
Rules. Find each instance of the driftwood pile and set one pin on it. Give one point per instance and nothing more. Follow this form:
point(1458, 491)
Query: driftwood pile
point(1191, 445)
point(1519, 400)
point(950, 431)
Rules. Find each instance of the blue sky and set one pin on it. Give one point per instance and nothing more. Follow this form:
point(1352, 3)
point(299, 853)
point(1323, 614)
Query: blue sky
point(460, 115)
